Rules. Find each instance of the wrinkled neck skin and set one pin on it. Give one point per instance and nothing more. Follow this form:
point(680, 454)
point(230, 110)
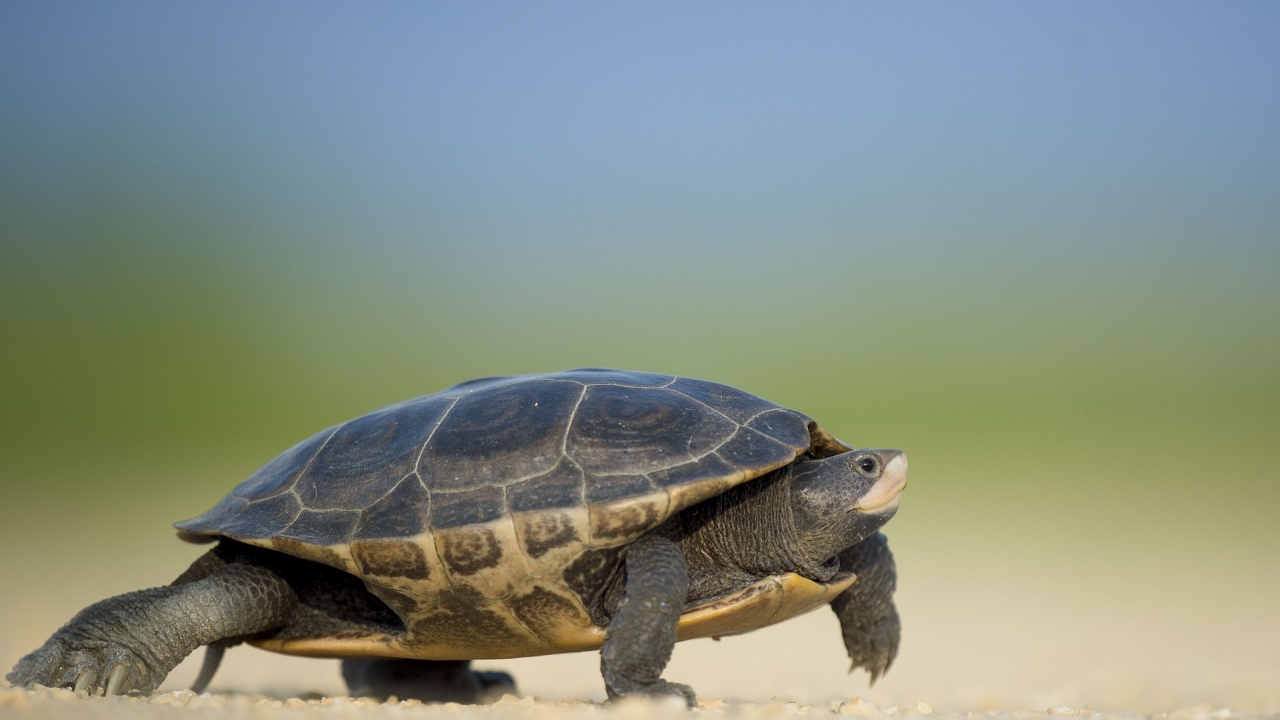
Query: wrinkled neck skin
point(748, 533)
point(825, 497)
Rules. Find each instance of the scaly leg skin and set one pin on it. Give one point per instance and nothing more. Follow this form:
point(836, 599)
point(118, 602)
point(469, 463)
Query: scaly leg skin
point(425, 680)
point(868, 619)
point(642, 633)
point(130, 642)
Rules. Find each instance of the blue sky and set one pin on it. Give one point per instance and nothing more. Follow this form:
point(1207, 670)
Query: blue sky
point(574, 120)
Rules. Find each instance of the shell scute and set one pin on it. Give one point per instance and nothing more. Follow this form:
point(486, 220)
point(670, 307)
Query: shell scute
point(591, 571)
point(625, 520)
point(468, 550)
point(322, 527)
point(731, 402)
point(461, 625)
point(749, 448)
point(364, 458)
point(391, 558)
point(712, 465)
point(467, 507)
point(279, 475)
point(617, 487)
point(547, 613)
point(541, 532)
point(498, 434)
point(309, 551)
point(620, 430)
point(785, 426)
point(561, 487)
point(261, 518)
point(400, 513)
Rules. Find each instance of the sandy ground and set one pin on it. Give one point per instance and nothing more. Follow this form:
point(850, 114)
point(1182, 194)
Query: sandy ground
point(45, 702)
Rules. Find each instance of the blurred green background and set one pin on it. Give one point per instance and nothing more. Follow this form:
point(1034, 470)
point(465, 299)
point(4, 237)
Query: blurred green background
point(1036, 246)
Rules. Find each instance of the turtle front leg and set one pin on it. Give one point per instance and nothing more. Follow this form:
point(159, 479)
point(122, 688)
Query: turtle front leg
point(868, 619)
point(642, 633)
point(132, 641)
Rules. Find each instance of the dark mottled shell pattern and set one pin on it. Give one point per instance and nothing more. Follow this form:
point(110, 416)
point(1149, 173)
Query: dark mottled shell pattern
point(488, 515)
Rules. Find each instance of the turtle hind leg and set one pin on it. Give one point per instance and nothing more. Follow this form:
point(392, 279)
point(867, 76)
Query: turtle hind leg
point(425, 680)
point(131, 641)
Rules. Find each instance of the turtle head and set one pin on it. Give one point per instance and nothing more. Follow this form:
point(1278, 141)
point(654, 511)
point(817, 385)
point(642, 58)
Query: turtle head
point(838, 501)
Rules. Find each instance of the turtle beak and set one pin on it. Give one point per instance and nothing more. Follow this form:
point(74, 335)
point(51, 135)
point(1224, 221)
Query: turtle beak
point(886, 493)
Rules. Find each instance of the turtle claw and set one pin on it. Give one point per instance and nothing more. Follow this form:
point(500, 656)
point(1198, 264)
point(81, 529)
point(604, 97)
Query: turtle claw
point(83, 665)
point(85, 681)
point(664, 689)
point(875, 670)
point(660, 690)
point(872, 655)
point(115, 681)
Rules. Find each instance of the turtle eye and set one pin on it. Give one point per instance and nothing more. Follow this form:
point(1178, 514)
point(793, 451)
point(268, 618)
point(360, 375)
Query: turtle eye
point(867, 465)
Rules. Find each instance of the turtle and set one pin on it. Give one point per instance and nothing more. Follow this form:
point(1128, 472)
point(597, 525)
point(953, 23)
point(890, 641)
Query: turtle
point(518, 516)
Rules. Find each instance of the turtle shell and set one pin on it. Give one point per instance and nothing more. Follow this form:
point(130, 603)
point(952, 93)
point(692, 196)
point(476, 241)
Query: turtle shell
point(490, 515)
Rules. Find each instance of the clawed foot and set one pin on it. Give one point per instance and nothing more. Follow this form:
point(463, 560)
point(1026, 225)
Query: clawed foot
point(659, 690)
point(875, 648)
point(84, 664)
